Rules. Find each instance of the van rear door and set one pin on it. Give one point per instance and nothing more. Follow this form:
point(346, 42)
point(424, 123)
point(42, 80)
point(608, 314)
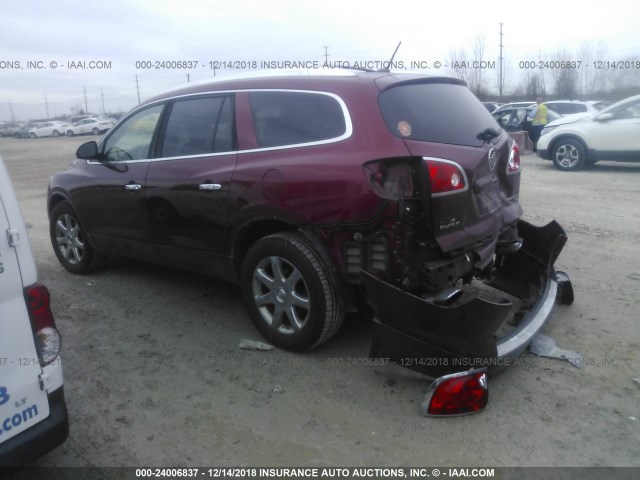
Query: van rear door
point(23, 402)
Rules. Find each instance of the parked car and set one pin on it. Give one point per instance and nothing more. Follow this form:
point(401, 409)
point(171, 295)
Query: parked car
point(314, 191)
point(33, 413)
point(48, 129)
point(512, 105)
point(569, 107)
point(89, 125)
point(23, 131)
point(612, 134)
point(516, 118)
point(491, 106)
point(9, 129)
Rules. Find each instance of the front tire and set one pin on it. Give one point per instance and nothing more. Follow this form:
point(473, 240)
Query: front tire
point(95, 131)
point(69, 133)
point(56, 133)
point(569, 155)
point(69, 240)
point(289, 293)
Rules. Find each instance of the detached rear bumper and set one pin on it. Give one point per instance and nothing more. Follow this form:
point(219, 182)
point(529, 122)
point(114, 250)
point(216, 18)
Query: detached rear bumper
point(437, 340)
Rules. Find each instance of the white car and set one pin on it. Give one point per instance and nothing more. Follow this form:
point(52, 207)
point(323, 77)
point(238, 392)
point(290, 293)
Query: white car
point(89, 125)
point(33, 412)
point(612, 134)
point(569, 107)
point(48, 129)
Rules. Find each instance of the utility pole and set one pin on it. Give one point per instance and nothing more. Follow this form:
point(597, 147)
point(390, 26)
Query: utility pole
point(138, 88)
point(188, 79)
point(13, 118)
point(46, 104)
point(501, 79)
point(86, 107)
point(326, 55)
point(102, 95)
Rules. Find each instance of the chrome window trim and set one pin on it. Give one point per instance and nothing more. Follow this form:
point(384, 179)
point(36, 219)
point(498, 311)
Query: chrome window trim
point(345, 112)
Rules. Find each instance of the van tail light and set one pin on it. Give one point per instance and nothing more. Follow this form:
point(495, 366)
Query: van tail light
point(47, 335)
point(446, 177)
point(457, 394)
point(513, 165)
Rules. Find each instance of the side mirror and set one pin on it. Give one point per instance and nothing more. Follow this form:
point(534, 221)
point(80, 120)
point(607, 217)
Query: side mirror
point(87, 150)
point(604, 117)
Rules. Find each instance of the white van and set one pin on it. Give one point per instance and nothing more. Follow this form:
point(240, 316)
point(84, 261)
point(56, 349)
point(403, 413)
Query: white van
point(33, 413)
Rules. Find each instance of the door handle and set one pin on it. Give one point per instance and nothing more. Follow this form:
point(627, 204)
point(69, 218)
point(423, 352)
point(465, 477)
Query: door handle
point(133, 187)
point(209, 186)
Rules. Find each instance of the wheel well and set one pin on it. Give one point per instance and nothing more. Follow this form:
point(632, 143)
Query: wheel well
point(555, 142)
point(250, 234)
point(53, 201)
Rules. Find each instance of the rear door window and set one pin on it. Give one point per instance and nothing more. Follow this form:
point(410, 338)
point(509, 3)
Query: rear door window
point(435, 112)
point(290, 118)
point(199, 126)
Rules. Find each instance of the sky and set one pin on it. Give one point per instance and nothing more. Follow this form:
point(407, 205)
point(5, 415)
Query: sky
point(43, 43)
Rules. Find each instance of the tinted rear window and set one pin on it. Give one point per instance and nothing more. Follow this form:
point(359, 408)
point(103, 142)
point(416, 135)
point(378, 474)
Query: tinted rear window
point(435, 112)
point(289, 118)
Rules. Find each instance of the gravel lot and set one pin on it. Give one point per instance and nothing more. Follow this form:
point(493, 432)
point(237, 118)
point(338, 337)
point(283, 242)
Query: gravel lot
point(154, 375)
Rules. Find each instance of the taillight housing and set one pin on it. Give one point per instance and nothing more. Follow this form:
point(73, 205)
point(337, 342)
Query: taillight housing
point(446, 177)
point(513, 164)
point(391, 178)
point(38, 303)
point(457, 394)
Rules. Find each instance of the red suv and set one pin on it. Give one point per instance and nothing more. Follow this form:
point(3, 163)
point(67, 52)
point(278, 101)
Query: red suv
point(315, 191)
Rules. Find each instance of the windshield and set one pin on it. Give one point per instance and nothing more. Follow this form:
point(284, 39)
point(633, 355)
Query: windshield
point(436, 112)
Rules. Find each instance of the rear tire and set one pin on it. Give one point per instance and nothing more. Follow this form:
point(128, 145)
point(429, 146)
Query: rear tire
point(56, 133)
point(95, 131)
point(70, 242)
point(569, 155)
point(289, 293)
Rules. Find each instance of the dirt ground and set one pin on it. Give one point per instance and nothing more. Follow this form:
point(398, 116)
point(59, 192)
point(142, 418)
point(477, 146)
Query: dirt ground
point(154, 375)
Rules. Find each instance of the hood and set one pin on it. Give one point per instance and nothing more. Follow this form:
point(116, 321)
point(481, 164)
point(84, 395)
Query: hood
point(573, 118)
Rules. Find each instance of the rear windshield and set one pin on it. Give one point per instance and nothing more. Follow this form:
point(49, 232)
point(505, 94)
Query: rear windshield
point(436, 112)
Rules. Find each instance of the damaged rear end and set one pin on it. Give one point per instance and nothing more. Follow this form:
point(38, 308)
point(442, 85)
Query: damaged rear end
point(470, 283)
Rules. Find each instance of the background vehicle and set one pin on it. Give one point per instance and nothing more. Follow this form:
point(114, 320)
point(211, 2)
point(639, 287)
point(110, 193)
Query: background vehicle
point(515, 118)
point(23, 131)
point(569, 107)
point(33, 413)
point(491, 106)
point(9, 129)
point(512, 105)
point(48, 129)
point(307, 190)
point(613, 134)
point(89, 125)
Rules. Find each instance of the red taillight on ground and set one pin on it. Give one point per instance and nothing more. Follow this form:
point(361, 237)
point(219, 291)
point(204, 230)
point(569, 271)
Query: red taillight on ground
point(38, 303)
point(457, 394)
point(513, 165)
point(446, 177)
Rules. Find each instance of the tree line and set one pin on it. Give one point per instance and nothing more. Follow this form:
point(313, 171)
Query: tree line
point(590, 72)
